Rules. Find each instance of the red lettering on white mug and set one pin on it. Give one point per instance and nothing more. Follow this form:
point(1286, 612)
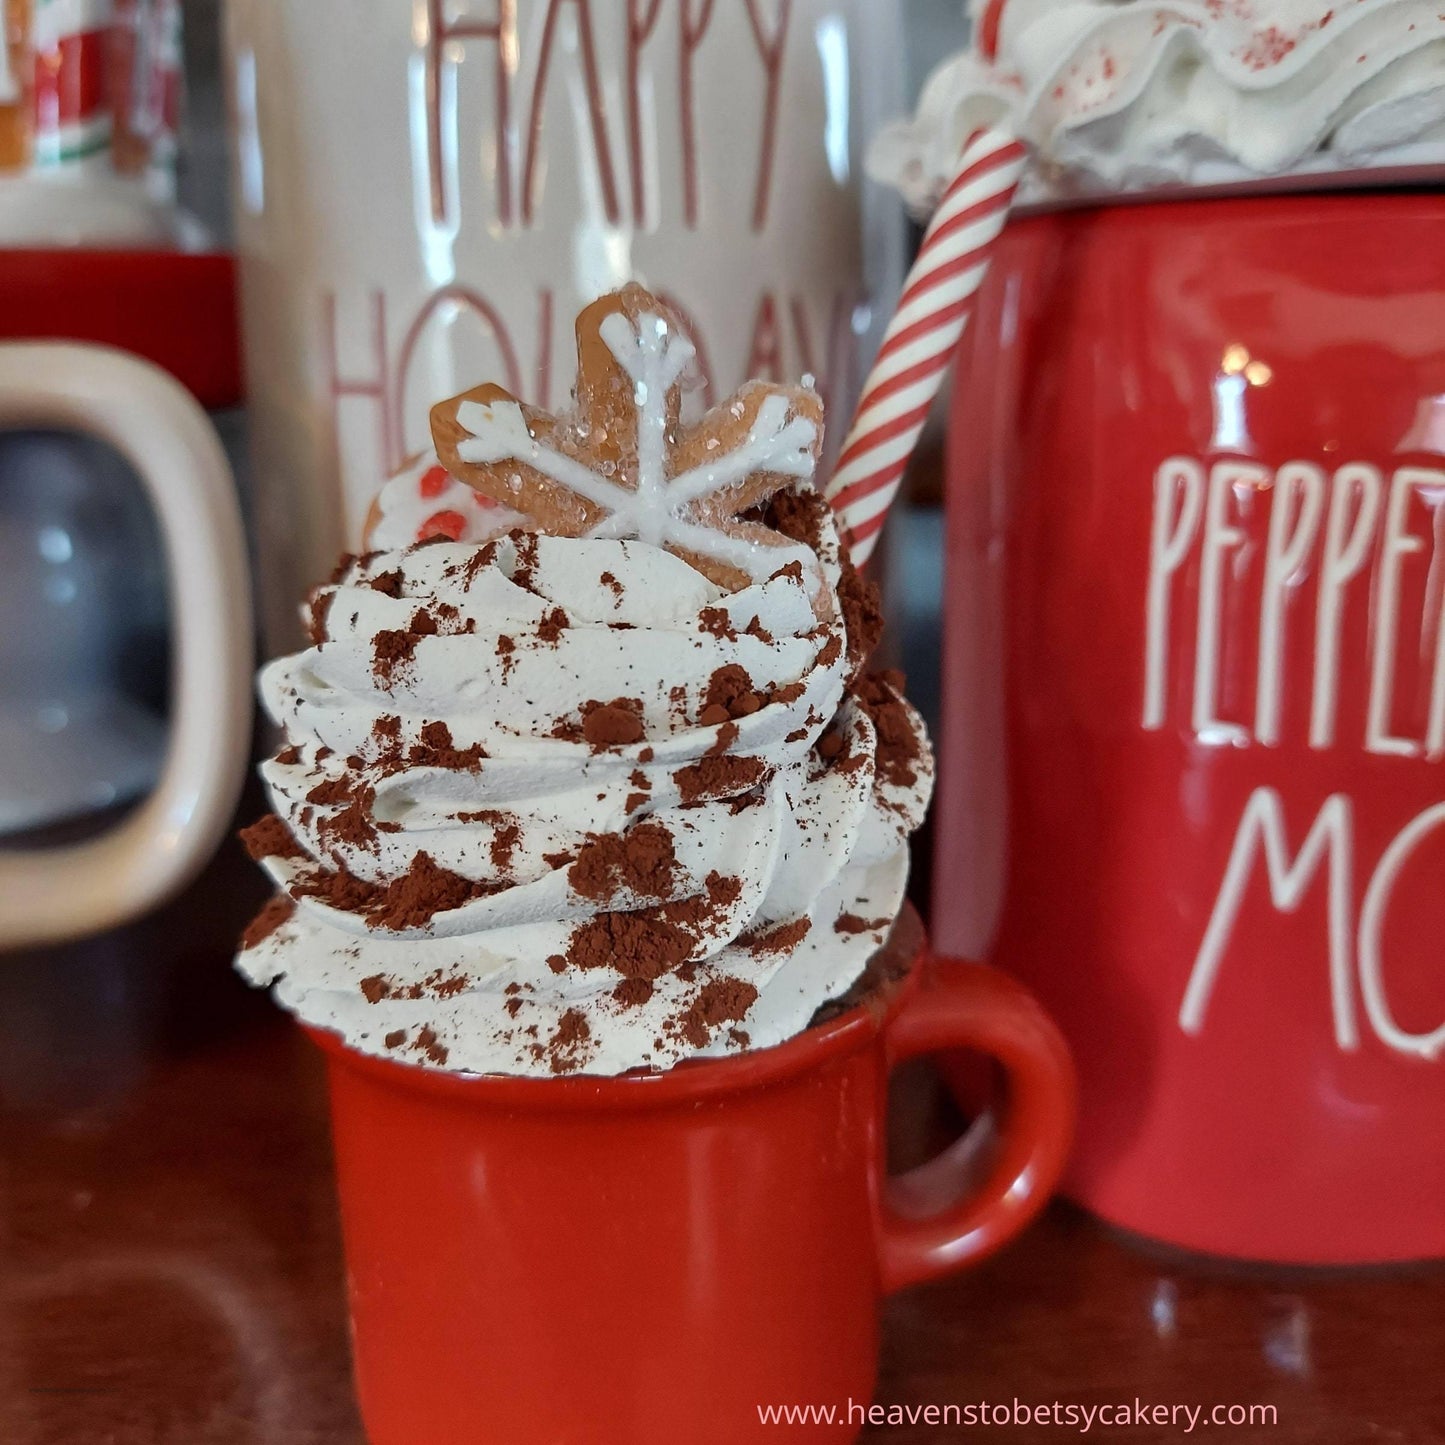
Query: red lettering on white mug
point(447, 46)
point(445, 40)
point(642, 18)
point(770, 51)
point(602, 146)
point(374, 387)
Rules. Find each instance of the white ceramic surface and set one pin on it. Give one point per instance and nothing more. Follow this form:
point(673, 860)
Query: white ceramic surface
point(53, 894)
point(428, 192)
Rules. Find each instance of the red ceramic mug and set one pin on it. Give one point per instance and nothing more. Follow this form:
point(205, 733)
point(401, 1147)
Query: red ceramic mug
point(1192, 787)
point(653, 1259)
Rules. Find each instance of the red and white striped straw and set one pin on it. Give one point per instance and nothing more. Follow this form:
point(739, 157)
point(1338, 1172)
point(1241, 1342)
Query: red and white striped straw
point(937, 302)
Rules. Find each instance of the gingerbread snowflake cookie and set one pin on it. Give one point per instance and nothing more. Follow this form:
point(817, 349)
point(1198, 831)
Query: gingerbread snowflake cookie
point(624, 465)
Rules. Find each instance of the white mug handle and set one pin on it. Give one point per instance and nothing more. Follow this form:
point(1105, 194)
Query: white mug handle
point(54, 894)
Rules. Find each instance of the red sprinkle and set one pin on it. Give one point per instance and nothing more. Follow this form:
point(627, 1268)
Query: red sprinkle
point(442, 524)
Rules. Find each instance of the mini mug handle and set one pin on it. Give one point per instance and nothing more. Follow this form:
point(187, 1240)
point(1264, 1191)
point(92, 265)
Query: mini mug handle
point(54, 894)
point(938, 1219)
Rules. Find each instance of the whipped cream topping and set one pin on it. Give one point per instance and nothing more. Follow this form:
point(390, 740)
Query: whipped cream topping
point(425, 501)
point(556, 805)
point(1119, 95)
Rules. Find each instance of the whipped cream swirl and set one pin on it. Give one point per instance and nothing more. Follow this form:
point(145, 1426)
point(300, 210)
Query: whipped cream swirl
point(1121, 95)
point(556, 805)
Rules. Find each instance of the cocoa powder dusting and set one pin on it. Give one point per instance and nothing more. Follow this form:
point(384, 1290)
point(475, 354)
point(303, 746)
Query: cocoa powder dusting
point(636, 945)
point(716, 623)
point(525, 568)
point(700, 912)
point(566, 1049)
point(478, 562)
point(612, 724)
point(404, 903)
point(435, 749)
point(797, 513)
point(862, 607)
point(269, 837)
point(719, 777)
point(341, 571)
point(318, 609)
point(632, 992)
point(730, 689)
point(886, 968)
point(782, 939)
point(426, 1043)
point(391, 652)
point(721, 1001)
point(503, 845)
point(723, 890)
point(352, 826)
point(897, 753)
point(337, 888)
point(425, 890)
point(640, 860)
point(850, 923)
point(552, 626)
point(727, 735)
point(276, 912)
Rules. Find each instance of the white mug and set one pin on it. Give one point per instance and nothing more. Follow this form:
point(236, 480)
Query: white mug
point(54, 894)
point(428, 191)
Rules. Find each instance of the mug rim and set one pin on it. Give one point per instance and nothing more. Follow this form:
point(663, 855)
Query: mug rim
point(690, 1081)
point(1413, 180)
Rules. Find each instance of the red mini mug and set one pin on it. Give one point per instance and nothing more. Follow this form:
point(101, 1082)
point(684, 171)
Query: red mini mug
point(1193, 760)
point(660, 1258)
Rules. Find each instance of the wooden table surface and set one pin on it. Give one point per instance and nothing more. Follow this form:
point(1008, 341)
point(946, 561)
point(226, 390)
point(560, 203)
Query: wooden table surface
point(172, 1270)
